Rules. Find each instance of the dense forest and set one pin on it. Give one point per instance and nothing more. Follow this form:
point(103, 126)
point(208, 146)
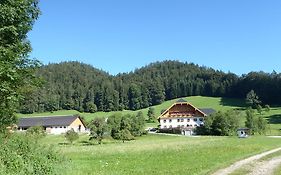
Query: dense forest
point(74, 85)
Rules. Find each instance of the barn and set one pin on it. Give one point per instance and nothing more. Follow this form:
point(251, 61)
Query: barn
point(53, 124)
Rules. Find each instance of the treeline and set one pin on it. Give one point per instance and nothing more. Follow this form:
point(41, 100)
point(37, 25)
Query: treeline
point(74, 85)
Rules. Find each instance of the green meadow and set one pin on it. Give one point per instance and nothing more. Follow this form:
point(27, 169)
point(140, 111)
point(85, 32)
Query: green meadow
point(217, 103)
point(161, 154)
point(158, 154)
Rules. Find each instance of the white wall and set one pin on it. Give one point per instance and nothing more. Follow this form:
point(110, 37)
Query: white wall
point(62, 129)
point(56, 129)
point(174, 122)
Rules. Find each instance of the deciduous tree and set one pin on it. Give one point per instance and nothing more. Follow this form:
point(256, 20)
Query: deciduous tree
point(98, 129)
point(71, 136)
point(252, 99)
point(16, 69)
point(151, 114)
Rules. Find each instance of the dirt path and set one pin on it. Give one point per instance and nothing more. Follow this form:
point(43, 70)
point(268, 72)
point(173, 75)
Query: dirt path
point(266, 167)
point(240, 163)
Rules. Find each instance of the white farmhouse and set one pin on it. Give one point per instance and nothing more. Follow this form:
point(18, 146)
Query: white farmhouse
point(184, 116)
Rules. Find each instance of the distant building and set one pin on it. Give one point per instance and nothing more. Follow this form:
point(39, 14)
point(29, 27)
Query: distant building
point(183, 116)
point(53, 125)
point(243, 132)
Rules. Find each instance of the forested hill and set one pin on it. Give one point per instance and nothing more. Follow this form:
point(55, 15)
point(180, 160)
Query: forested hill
point(74, 85)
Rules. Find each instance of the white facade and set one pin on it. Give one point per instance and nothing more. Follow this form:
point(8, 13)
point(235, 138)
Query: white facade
point(242, 133)
point(61, 129)
point(181, 122)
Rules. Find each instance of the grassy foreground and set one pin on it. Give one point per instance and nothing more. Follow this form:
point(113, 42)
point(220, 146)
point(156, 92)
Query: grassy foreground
point(158, 154)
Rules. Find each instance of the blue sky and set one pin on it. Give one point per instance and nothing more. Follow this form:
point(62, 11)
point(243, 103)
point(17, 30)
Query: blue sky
point(121, 35)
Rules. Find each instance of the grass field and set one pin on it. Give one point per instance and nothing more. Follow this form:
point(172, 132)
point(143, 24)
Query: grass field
point(278, 171)
point(158, 154)
point(217, 103)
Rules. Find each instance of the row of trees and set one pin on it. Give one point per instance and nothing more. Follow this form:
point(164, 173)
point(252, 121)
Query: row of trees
point(118, 126)
point(227, 123)
point(74, 85)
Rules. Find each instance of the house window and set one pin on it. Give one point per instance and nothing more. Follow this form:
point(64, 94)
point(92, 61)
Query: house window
point(178, 126)
point(182, 126)
point(51, 127)
point(182, 120)
point(164, 121)
point(195, 125)
point(165, 126)
point(60, 126)
point(188, 120)
point(178, 120)
point(170, 120)
point(170, 126)
point(187, 125)
point(201, 119)
point(195, 119)
point(64, 127)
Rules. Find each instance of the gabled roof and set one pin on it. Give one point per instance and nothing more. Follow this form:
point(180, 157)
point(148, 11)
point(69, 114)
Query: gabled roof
point(47, 121)
point(204, 111)
point(182, 103)
point(181, 100)
point(207, 111)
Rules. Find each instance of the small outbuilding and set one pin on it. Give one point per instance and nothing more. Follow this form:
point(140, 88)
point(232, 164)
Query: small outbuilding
point(53, 124)
point(243, 132)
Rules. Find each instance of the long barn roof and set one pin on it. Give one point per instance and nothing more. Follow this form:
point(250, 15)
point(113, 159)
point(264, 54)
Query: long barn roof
point(46, 121)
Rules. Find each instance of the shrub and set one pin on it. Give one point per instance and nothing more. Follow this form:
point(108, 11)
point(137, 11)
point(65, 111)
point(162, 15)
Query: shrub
point(170, 130)
point(99, 129)
point(36, 132)
point(220, 123)
point(71, 136)
point(20, 154)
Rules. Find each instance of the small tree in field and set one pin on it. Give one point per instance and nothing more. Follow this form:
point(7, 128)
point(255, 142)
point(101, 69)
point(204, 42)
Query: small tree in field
point(254, 123)
point(151, 114)
point(259, 109)
point(71, 136)
point(36, 132)
point(252, 99)
point(98, 129)
point(250, 120)
point(125, 134)
point(267, 108)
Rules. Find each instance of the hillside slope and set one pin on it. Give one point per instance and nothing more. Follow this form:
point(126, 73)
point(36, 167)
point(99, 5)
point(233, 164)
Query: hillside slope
point(217, 103)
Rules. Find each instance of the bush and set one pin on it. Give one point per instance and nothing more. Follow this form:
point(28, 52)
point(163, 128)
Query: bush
point(36, 132)
point(220, 123)
point(170, 130)
point(71, 136)
point(20, 154)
